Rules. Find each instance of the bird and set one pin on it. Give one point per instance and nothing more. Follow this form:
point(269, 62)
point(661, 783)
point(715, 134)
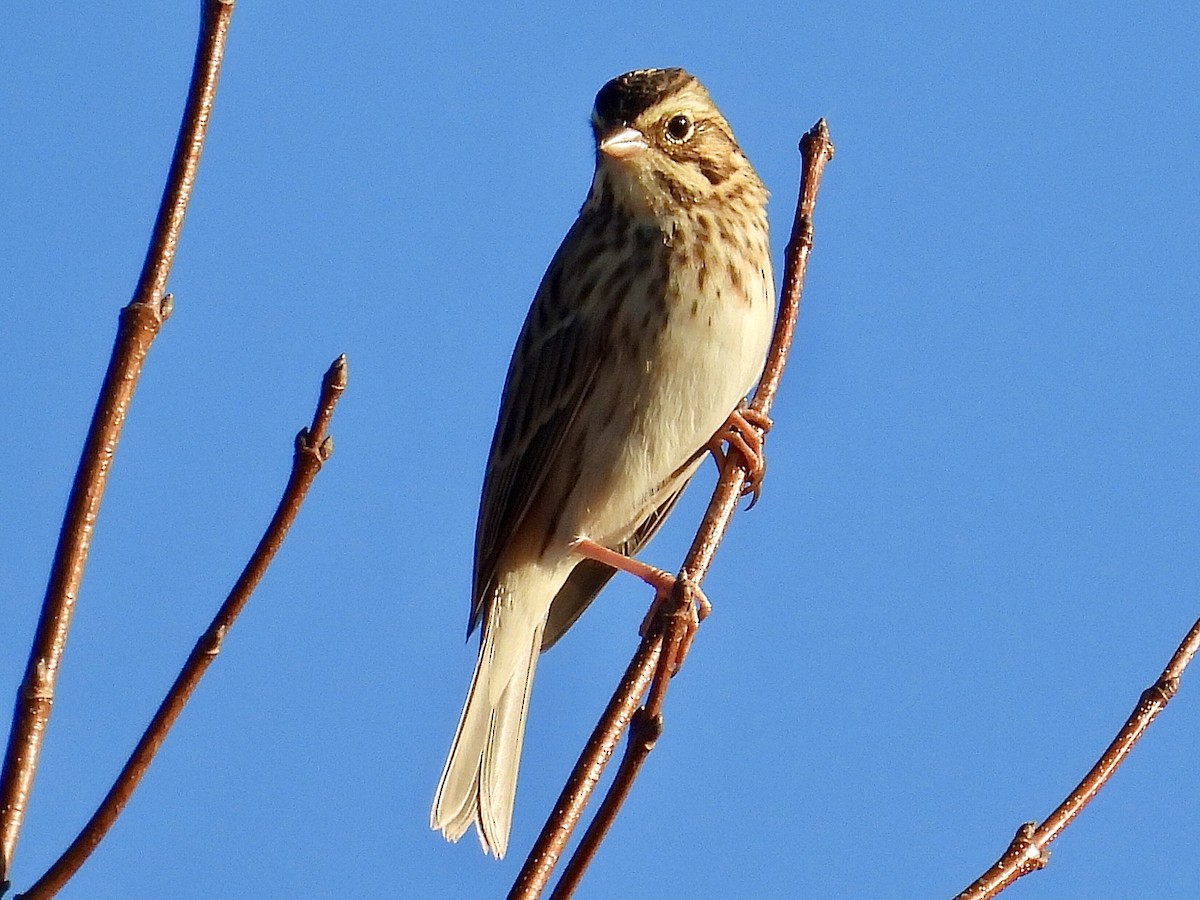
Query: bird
point(647, 332)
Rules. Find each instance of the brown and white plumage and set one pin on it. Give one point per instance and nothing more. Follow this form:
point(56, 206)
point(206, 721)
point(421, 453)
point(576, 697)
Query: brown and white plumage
point(649, 327)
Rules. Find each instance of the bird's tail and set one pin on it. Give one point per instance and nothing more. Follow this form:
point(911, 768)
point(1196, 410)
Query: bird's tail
point(479, 781)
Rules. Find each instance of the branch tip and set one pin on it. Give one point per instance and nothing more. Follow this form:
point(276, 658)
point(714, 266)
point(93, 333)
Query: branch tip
point(817, 141)
point(337, 370)
point(337, 374)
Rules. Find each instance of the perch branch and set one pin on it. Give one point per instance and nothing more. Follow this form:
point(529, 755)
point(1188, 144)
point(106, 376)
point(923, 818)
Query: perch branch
point(139, 324)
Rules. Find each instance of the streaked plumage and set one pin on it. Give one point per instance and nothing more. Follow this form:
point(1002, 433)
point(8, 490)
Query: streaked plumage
point(649, 327)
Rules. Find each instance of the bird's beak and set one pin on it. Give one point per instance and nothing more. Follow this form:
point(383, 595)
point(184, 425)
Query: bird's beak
point(623, 143)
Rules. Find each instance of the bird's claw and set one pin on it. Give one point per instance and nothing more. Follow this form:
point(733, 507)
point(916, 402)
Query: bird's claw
point(744, 431)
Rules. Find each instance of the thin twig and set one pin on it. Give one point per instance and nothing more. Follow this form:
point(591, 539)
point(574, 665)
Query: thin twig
point(139, 324)
point(313, 448)
point(1027, 852)
point(651, 665)
point(539, 865)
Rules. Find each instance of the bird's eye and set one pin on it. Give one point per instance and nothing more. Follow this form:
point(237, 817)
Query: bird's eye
point(679, 128)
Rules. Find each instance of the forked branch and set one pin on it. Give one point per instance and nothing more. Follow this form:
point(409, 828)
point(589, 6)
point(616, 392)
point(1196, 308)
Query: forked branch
point(651, 666)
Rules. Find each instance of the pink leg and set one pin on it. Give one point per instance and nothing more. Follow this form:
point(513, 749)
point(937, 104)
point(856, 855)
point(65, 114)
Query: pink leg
point(663, 583)
point(744, 431)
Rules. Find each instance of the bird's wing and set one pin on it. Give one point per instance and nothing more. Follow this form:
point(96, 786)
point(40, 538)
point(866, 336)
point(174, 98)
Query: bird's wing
point(550, 376)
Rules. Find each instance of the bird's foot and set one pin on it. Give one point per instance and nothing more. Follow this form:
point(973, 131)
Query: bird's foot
point(694, 611)
point(744, 432)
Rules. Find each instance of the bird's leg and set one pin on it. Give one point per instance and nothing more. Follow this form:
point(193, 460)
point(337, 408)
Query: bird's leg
point(663, 583)
point(744, 431)
point(659, 579)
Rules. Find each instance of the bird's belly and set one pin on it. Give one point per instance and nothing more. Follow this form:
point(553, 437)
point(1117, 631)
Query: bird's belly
point(673, 398)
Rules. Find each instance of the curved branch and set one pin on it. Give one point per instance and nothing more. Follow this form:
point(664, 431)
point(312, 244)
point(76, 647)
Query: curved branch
point(652, 665)
point(140, 322)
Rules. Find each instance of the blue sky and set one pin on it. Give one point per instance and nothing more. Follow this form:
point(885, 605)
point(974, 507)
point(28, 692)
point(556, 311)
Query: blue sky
point(978, 538)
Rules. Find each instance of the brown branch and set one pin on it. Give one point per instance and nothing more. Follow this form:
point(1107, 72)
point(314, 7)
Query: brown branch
point(139, 324)
point(313, 448)
point(651, 665)
point(539, 865)
point(1027, 852)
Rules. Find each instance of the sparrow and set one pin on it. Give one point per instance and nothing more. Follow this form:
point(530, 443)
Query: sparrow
point(648, 329)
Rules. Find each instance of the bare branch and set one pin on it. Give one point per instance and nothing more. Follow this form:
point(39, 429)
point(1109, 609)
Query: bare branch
point(678, 620)
point(313, 448)
point(1027, 852)
point(140, 322)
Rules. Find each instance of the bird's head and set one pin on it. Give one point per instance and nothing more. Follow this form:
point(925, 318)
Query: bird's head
point(662, 145)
